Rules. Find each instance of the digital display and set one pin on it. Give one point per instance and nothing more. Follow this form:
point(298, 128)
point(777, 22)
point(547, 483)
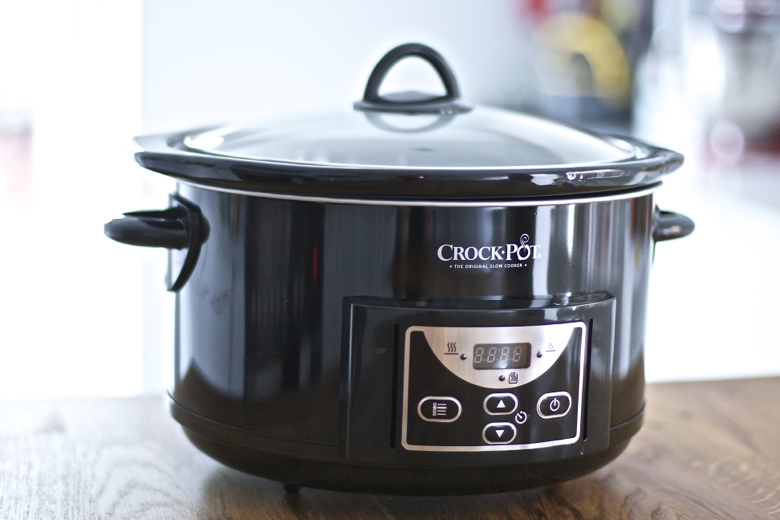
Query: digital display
point(491, 356)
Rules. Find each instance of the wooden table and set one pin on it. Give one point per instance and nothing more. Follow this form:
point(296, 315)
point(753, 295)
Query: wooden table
point(707, 450)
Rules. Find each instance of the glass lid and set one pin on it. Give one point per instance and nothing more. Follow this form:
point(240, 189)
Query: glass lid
point(482, 138)
point(404, 146)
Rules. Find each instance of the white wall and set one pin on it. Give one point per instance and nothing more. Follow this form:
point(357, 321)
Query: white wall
point(712, 308)
point(70, 299)
point(210, 62)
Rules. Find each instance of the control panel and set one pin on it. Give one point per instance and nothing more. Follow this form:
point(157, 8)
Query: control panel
point(492, 388)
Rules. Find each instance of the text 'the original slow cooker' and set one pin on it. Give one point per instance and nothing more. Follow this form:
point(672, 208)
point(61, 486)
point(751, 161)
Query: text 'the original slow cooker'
point(409, 296)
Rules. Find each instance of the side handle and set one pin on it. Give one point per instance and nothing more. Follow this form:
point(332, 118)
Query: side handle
point(168, 228)
point(180, 228)
point(669, 225)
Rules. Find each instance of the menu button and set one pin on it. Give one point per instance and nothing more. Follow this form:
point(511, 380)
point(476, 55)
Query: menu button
point(439, 409)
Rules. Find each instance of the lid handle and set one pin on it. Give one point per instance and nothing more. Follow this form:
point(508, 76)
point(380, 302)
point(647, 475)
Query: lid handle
point(412, 102)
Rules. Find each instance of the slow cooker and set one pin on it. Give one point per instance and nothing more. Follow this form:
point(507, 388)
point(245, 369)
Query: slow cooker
point(412, 295)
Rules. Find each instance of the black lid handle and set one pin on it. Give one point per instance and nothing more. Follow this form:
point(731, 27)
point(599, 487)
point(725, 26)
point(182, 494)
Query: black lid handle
point(412, 102)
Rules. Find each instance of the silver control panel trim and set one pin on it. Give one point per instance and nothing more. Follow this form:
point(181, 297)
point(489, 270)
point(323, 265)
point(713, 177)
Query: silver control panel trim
point(440, 336)
point(450, 344)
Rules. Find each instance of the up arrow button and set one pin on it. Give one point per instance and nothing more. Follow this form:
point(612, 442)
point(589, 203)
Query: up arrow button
point(500, 404)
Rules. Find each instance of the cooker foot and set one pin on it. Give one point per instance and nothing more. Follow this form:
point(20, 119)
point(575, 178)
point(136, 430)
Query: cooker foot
point(292, 489)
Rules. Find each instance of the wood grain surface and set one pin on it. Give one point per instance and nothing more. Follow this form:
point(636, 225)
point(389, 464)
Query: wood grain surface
point(707, 450)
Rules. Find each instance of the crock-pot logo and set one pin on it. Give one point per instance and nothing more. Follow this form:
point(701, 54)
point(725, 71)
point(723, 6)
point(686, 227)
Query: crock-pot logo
point(505, 253)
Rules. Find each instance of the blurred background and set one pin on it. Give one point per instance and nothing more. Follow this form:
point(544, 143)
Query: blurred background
point(82, 315)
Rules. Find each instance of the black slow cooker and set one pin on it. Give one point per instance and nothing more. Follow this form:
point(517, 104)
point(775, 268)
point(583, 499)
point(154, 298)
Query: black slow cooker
point(411, 296)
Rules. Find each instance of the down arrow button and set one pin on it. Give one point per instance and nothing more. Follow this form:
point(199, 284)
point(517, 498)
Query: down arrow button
point(499, 433)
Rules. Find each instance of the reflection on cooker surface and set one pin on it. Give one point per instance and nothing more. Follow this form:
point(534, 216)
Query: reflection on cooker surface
point(261, 321)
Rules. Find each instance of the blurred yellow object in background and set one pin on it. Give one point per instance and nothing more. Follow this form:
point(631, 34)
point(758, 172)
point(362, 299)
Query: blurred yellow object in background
point(581, 56)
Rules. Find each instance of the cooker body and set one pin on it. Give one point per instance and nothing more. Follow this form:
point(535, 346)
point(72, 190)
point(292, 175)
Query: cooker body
point(306, 328)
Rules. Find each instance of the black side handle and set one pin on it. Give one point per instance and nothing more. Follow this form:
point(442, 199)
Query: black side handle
point(180, 228)
point(412, 102)
point(670, 225)
point(162, 228)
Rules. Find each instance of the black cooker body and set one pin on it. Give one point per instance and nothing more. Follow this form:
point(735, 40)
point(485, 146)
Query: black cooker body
point(414, 349)
point(416, 296)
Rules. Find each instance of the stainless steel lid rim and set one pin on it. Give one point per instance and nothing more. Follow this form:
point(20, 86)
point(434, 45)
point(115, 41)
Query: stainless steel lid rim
point(608, 196)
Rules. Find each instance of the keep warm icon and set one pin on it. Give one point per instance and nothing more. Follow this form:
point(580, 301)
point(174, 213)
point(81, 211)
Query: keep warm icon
point(513, 378)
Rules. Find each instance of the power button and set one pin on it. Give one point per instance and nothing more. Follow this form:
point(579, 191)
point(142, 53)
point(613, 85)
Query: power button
point(554, 404)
